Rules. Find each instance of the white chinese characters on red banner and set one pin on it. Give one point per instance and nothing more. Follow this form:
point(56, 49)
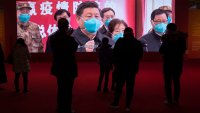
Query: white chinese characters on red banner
point(42, 12)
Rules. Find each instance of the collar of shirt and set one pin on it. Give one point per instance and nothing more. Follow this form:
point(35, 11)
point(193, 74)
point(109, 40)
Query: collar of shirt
point(158, 37)
point(81, 38)
point(106, 28)
point(23, 26)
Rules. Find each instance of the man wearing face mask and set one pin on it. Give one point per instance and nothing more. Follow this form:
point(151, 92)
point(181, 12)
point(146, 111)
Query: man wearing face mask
point(61, 13)
point(152, 40)
point(28, 30)
point(89, 21)
point(107, 14)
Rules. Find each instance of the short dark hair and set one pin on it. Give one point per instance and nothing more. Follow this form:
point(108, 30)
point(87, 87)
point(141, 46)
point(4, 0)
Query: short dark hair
point(105, 10)
point(158, 12)
point(114, 22)
point(21, 42)
point(168, 11)
point(86, 4)
point(128, 32)
point(172, 27)
point(59, 12)
point(63, 24)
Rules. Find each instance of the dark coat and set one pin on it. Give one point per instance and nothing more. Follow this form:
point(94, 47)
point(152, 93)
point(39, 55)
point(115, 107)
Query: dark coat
point(48, 45)
point(104, 52)
point(63, 48)
point(21, 57)
point(127, 54)
point(105, 31)
point(173, 49)
point(3, 77)
point(151, 42)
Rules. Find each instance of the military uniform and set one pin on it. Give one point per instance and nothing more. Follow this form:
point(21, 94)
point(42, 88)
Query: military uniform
point(29, 32)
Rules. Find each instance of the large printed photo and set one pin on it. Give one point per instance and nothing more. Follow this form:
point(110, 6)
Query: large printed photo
point(90, 22)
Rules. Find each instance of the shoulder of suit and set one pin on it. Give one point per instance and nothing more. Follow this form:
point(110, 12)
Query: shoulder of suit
point(76, 32)
point(148, 36)
point(52, 34)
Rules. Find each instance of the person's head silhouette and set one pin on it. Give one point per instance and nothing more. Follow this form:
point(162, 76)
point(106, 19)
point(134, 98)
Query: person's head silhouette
point(20, 41)
point(63, 24)
point(105, 41)
point(172, 27)
point(128, 32)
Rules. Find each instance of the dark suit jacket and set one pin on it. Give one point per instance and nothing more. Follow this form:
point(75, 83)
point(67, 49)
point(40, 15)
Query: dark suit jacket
point(151, 42)
point(63, 48)
point(173, 49)
point(48, 45)
point(104, 31)
point(104, 52)
point(127, 54)
point(3, 77)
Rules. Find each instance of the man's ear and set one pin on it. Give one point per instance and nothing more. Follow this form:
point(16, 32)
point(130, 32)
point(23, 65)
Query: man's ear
point(79, 21)
point(78, 18)
point(152, 23)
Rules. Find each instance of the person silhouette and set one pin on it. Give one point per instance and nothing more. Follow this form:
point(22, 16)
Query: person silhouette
point(172, 49)
point(3, 76)
point(105, 61)
point(61, 13)
point(21, 65)
point(116, 29)
point(64, 66)
point(127, 54)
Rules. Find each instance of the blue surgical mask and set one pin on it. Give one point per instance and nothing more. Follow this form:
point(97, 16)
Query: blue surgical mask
point(24, 18)
point(92, 25)
point(107, 22)
point(117, 36)
point(169, 19)
point(160, 28)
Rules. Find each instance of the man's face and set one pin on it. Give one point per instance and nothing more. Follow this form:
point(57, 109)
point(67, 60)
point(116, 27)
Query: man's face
point(118, 28)
point(63, 15)
point(162, 18)
point(24, 10)
point(88, 13)
point(107, 15)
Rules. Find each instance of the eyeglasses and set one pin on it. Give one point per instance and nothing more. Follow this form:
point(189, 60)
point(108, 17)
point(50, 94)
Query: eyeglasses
point(160, 21)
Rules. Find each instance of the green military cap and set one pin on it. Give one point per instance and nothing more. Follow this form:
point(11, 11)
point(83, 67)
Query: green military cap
point(21, 5)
